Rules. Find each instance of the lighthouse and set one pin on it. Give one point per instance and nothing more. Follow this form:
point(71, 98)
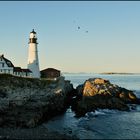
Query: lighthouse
point(33, 62)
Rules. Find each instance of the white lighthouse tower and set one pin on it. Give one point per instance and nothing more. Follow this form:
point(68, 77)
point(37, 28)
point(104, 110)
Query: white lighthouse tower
point(33, 62)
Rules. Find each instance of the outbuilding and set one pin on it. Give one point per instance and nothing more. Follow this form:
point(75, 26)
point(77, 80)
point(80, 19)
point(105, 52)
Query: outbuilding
point(50, 73)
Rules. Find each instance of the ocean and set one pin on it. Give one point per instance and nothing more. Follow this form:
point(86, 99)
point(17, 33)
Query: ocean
point(103, 123)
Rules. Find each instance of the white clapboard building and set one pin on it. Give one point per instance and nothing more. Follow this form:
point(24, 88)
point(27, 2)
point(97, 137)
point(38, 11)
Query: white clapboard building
point(7, 67)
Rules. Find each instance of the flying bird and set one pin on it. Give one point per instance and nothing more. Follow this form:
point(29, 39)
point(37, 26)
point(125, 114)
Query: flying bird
point(78, 27)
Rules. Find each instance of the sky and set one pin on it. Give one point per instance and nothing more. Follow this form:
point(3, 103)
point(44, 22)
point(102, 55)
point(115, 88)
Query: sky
point(73, 36)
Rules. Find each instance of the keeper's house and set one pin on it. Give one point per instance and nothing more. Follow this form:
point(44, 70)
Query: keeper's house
point(6, 66)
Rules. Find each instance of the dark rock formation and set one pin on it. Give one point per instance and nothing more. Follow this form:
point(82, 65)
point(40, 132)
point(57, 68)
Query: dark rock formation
point(100, 93)
point(26, 102)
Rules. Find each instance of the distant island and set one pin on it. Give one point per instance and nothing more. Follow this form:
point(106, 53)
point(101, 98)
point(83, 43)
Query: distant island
point(122, 73)
point(75, 73)
point(107, 73)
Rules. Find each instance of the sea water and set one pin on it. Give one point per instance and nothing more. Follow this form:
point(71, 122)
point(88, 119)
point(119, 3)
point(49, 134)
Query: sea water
point(103, 123)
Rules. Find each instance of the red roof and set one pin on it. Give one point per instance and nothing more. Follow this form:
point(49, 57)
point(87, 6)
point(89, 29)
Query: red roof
point(19, 69)
point(26, 70)
point(50, 69)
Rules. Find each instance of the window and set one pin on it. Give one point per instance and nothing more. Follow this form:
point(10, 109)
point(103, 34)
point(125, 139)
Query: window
point(2, 64)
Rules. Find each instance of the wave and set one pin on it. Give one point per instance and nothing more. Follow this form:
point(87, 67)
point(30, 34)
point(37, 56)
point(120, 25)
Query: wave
point(100, 112)
point(134, 108)
point(109, 111)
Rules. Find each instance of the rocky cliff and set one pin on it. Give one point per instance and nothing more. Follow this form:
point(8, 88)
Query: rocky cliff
point(26, 102)
point(100, 93)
